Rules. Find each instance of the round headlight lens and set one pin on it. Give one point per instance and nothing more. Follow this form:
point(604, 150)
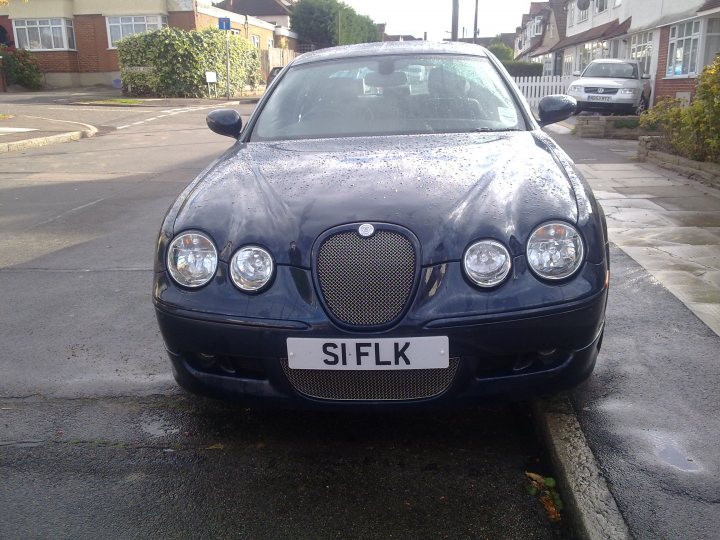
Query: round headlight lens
point(192, 259)
point(487, 263)
point(251, 268)
point(555, 251)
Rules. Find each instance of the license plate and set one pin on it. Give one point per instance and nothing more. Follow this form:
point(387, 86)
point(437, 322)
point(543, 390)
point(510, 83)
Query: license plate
point(599, 98)
point(368, 354)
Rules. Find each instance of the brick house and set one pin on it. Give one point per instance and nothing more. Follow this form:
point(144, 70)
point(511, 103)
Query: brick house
point(672, 39)
point(74, 41)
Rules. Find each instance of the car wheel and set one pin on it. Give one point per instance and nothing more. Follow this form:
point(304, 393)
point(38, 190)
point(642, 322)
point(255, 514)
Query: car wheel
point(642, 106)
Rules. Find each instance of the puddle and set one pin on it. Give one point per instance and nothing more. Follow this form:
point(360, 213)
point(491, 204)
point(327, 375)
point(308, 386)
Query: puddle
point(156, 426)
point(670, 452)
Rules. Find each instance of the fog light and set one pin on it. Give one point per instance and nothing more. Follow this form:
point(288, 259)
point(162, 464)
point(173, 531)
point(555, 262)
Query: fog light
point(206, 361)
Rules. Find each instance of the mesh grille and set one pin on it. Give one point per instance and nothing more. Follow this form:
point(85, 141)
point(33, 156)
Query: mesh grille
point(366, 281)
point(361, 385)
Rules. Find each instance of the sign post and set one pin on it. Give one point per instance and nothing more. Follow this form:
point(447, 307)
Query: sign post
point(224, 24)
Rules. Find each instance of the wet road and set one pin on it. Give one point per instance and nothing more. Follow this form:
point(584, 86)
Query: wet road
point(97, 441)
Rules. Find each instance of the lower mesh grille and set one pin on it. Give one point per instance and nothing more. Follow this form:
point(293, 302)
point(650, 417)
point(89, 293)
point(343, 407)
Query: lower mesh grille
point(362, 385)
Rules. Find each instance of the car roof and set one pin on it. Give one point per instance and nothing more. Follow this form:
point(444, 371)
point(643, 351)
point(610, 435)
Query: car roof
point(390, 47)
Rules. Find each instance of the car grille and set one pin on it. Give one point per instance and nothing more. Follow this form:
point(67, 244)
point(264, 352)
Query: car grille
point(366, 281)
point(605, 91)
point(366, 385)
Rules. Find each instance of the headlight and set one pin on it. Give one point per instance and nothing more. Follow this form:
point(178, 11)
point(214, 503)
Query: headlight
point(627, 91)
point(192, 259)
point(575, 88)
point(487, 263)
point(555, 251)
point(251, 268)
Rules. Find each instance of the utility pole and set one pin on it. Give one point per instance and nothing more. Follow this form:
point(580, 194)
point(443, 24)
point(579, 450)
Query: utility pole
point(475, 31)
point(455, 15)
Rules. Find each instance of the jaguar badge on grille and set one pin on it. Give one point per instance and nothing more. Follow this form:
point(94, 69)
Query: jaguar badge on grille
point(366, 229)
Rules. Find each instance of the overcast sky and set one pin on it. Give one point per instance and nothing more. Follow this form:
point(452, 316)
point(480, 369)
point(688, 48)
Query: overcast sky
point(435, 16)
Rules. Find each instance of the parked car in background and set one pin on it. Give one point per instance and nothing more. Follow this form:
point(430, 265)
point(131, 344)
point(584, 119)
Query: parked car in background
point(385, 249)
point(273, 73)
point(611, 85)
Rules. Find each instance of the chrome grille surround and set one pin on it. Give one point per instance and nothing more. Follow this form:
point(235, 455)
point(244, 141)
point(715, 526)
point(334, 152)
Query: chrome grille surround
point(606, 91)
point(366, 281)
point(369, 385)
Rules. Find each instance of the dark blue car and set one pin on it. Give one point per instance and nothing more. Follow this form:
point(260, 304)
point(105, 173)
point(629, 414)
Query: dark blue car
point(371, 241)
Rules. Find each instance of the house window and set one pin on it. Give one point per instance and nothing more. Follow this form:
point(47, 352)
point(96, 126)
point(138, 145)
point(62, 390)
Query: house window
point(537, 26)
point(120, 27)
point(44, 34)
point(571, 13)
point(641, 49)
point(568, 62)
point(256, 40)
point(270, 43)
point(601, 5)
point(712, 42)
point(583, 15)
point(683, 49)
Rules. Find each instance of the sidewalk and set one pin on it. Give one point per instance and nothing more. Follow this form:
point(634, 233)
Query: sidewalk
point(23, 132)
point(667, 223)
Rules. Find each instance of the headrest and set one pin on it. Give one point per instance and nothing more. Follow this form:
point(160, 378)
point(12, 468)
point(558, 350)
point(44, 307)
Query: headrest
point(442, 82)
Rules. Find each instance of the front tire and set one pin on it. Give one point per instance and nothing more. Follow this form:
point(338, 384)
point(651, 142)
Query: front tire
point(643, 105)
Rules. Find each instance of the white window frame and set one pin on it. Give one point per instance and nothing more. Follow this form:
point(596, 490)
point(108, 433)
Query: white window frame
point(707, 35)
point(693, 39)
point(641, 49)
point(135, 20)
point(583, 15)
point(537, 26)
point(270, 43)
point(599, 3)
point(67, 33)
point(571, 13)
point(256, 41)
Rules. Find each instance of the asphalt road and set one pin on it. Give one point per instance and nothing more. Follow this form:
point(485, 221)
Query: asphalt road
point(97, 441)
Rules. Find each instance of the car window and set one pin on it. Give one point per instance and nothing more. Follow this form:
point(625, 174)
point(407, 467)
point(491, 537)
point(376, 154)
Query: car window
point(611, 70)
point(380, 95)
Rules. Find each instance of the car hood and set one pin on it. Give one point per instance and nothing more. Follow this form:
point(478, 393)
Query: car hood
point(447, 189)
point(608, 83)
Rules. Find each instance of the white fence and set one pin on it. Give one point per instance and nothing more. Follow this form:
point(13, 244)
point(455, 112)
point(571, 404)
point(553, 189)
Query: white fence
point(536, 88)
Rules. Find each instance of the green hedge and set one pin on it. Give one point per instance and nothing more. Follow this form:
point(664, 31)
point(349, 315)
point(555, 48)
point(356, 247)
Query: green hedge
point(21, 68)
point(524, 69)
point(172, 62)
point(691, 131)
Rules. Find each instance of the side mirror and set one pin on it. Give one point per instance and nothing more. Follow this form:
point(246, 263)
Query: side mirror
point(556, 108)
point(645, 76)
point(577, 73)
point(225, 122)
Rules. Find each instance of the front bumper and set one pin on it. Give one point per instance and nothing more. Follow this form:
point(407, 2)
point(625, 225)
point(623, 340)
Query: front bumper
point(616, 103)
point(498, 355)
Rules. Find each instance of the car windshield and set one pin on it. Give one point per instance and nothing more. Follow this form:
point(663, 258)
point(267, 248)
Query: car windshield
point(383, 95)
point(611, 70)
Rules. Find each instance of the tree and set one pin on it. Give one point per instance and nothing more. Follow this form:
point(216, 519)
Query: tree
point(326, 23)
point(501, 51)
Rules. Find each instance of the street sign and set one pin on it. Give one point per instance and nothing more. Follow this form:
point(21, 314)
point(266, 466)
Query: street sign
point(210, 77)
point(224, 23)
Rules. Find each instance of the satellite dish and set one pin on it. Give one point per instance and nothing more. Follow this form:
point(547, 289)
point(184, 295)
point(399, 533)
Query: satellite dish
point(583, 4)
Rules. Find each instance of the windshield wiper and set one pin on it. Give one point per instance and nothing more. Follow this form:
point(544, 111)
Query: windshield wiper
point(492, 130)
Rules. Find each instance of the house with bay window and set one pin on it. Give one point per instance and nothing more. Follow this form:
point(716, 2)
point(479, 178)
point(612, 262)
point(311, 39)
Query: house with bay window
point(672, 39)
point(75, 41)
point(541, 29)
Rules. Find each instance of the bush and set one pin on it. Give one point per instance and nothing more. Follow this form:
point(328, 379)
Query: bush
point(172, 62)
point(21, 68)
point(524, 69)
point(691, 131)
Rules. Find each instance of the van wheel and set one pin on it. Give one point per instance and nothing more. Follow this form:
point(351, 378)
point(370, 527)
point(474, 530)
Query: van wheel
point(643, 105)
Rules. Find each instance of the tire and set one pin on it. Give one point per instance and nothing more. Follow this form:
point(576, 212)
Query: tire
point(643, 105)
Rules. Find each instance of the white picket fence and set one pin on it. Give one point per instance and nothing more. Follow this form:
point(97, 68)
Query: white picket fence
point(536, 88)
